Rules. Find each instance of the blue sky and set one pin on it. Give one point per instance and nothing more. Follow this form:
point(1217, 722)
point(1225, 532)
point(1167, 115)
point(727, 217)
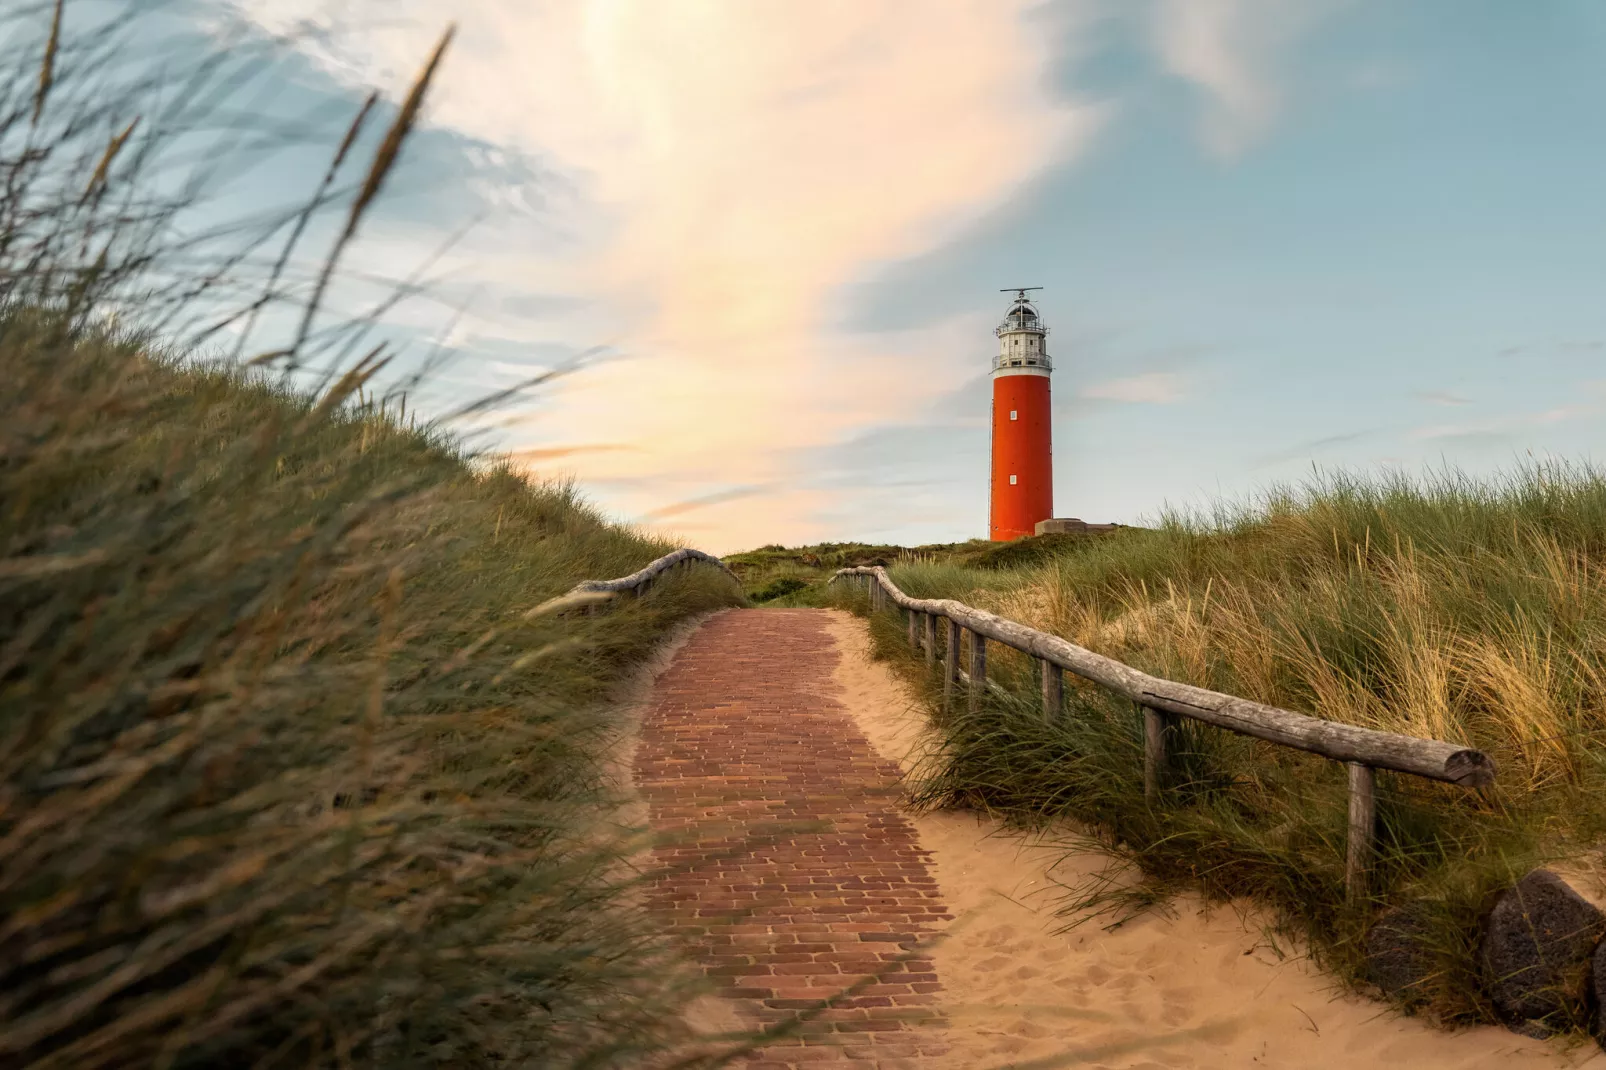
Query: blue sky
point(1271, 234)
point(1408, 269)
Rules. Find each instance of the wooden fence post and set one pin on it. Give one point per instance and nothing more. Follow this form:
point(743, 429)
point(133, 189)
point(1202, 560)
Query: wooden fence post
point(950, 674)
point(1053, 689)
point(1158, 729)
point(978, 669)
point(931, 640)
point(1362, 828)
point(914, 634)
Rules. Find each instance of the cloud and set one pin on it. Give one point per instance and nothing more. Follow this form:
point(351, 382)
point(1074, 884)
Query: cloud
point(1593, 402)
point(1442, 397)
point(1230, 50)
point(1310, 447)
point(664, 512)
point(553, 453)
point(1153, 388)
point(1573, 345)
point(732, 166)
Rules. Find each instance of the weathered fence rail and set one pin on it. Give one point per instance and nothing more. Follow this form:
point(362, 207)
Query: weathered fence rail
point(1363, 750)
point(640, 581)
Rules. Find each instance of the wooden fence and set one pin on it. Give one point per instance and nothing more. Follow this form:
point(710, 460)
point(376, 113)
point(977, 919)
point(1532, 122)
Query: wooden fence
point(1363, 750)
point(591, 593)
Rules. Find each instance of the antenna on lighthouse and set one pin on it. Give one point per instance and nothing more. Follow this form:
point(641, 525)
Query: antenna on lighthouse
point(1021, 290)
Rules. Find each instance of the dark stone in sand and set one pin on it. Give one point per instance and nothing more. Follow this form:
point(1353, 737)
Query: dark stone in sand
point(1398, 959)
point(1536, 954)
point(1598, 982)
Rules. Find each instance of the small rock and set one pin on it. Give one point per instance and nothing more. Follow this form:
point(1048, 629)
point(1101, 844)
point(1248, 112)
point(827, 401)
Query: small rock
point(1598, 981)
point(1536, 954)
point(1398, 959)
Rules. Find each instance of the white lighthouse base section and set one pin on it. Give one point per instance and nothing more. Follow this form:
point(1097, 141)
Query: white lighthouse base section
point(999, 373)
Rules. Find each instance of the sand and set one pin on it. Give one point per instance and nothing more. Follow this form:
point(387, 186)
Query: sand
point(1178, 987)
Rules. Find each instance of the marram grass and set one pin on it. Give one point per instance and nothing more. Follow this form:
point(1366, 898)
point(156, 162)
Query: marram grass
point(1462, 610)
point(290, 775)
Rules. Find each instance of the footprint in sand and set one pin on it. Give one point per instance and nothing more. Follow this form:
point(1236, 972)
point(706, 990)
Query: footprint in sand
point(1001, 935)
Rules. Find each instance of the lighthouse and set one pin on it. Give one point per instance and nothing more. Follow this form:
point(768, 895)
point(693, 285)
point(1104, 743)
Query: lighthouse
point(1022, 490)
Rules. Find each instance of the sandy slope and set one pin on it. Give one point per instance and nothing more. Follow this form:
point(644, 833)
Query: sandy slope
point(1194, 989)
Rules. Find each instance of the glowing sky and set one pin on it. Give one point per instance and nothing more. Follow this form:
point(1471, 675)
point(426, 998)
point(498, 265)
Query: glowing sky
point(1271, 232)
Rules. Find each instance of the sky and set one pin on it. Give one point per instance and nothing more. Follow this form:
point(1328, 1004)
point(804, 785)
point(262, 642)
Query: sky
point(1273, 236)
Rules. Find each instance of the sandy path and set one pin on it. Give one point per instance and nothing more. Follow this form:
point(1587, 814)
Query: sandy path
point(1195, 989)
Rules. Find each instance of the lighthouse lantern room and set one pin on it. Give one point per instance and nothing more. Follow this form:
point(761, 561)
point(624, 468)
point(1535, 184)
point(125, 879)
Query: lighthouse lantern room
point(1022, 438)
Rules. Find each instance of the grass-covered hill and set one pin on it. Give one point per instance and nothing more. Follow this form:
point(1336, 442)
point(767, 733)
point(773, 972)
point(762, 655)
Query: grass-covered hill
point(290, 766)
point(298, 764)
point(799, 574)
point(1461, 610)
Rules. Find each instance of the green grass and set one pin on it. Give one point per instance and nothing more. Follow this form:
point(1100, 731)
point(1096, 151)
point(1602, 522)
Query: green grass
point(295, 768)
point(289, 765)
point(798, 575)
point(1468, 611)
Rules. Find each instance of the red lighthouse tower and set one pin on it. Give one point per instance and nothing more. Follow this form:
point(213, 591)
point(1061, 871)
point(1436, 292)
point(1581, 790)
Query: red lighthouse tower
point(1023, 451)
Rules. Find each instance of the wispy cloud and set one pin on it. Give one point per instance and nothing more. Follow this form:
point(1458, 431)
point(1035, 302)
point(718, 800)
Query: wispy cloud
point(1592, 401)
point(554, 453)
point(1311, 447)
point(1153, 388)
point(1231, 50)
point(704, 501)
point(1442, 397)
point(732, 165)
point(1566, 345)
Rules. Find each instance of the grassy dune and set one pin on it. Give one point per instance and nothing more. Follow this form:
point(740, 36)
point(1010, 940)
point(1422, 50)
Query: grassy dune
point(295, 767)
point(1467, 611)
point(290, 766)
point(799, 576)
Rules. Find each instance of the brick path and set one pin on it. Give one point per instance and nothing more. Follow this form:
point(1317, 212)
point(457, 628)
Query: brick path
point(791, 874)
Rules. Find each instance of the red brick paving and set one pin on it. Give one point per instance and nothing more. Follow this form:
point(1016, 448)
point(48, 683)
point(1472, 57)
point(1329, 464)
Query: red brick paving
point(790, 873)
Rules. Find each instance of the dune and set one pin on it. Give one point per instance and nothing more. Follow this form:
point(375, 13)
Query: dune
point(1182, 984)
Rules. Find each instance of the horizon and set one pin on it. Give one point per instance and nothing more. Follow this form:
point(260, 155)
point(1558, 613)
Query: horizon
point(1272, 237)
